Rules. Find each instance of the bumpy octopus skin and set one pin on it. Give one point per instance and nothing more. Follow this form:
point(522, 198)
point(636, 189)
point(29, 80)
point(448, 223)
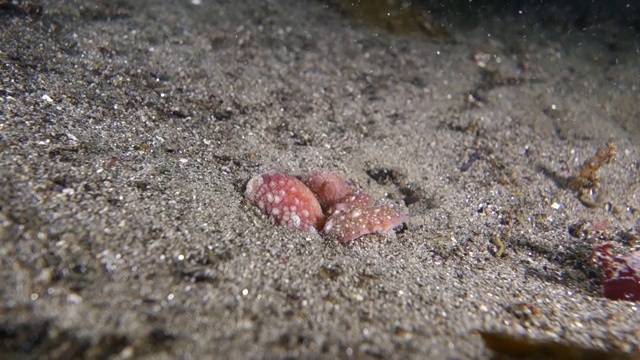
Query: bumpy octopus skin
point(329, 187)
point(352, 223)
point(325, 202)
point(286, 200)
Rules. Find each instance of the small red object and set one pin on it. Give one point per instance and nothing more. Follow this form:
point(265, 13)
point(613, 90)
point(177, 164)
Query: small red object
point(621, 275)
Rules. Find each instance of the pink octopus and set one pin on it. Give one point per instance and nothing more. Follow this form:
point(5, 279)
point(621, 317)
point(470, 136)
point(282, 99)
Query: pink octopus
point(322, 202)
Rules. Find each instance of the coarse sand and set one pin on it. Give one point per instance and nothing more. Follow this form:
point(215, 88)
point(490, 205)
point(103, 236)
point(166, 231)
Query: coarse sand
point(129, 129)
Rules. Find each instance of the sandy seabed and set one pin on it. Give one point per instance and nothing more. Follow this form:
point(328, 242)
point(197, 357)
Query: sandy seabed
point(129, 130)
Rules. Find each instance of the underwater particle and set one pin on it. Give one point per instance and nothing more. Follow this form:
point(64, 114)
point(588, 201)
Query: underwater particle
point(621, 275)
point(329, 187)
point(354, 222)
point(286, 200)
point(472, 158)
